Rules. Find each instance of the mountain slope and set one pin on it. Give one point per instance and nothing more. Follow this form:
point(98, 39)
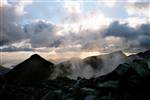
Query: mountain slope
point(145, 54)
point(93, 66)
point(106, 63)
point(34, 69)
point(3, 70)
point(142, 55)
point(129, 81)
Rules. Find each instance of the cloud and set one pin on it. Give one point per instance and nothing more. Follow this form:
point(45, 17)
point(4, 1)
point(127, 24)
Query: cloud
point(12, 48)
point(72, 6)
point(3, 3)
point(11, 14)
point(20, 5)
point(144, 29)
point(81, 31)
point(42, 34)
point(137, 37)
point(144, 41)
point(91, 21)
point(119, 30)
point(109, 3)
point(10, 30)
point(135, 21)
point(139, 9)
point(19, 46)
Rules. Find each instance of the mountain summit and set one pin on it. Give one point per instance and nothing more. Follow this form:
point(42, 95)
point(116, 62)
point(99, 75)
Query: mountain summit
point(33, 69)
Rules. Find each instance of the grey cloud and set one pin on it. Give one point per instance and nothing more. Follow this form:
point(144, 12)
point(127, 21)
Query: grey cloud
point(56, 43)
point(42, 34)
point(130, 38)
point(138, 37)
point(10, 31)
point(144, 42)
point(13, 48)
point(144, 29)
point(139, 8)
point(120, 30)
point(141, 5)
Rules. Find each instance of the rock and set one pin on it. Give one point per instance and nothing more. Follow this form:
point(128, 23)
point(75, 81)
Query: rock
point(109, 84)
point(53, 95)
point(90, 97)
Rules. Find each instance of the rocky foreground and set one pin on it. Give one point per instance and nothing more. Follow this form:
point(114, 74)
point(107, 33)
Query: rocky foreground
point(30, 80)
point(126, 82)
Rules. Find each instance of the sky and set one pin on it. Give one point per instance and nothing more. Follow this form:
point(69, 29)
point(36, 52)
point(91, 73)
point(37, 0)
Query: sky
point(74, 28)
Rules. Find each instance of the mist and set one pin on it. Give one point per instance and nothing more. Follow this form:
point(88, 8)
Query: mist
point(88, 68)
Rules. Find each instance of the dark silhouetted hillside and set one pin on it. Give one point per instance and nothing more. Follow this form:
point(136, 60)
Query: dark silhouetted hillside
point(33, 69)
point(128, 81)
point(3, 70)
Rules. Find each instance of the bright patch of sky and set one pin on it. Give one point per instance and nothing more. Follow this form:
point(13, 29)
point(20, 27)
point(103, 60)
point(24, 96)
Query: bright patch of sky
point(57, 11)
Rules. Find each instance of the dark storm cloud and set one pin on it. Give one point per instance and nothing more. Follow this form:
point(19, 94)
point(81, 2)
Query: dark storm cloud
point(10, 31)
point(42, 34)
point(144, 29)
point(120, 30)
point(56, 43)
point(39, 33)
point(3, 42)
point(144, 42)
point(138, 37)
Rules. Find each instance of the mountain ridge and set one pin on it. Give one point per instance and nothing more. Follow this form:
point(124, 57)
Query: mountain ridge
point(128, 81)
point(30, 70)
point(89, 67)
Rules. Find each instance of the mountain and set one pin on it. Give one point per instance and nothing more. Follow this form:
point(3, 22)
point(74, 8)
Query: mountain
point(33, 69)
point(142, 55)
point(145, 54)
point(73, 68)
point(128, 81)
point(3, 70)
point(89, 67)
point(106, 63)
